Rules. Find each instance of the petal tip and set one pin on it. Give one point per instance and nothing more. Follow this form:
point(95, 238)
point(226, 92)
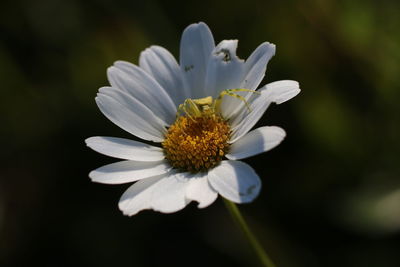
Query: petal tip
point(92, 176)
point(87, 140)
point(125, 211)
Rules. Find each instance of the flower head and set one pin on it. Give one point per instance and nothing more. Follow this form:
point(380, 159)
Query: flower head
point(201, 112)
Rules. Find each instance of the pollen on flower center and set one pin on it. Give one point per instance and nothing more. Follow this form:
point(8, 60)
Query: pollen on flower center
point(196, 143)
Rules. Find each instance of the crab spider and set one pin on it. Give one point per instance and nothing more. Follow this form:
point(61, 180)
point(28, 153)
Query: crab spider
point(209, 106)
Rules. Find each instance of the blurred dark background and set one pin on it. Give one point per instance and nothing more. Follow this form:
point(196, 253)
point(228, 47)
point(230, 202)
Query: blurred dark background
point(331, 190)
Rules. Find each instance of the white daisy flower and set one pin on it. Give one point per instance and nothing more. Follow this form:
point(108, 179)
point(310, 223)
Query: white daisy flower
point(200, 111)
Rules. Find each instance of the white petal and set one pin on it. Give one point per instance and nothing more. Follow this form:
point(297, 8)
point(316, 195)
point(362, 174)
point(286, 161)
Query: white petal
point(236, 181)
point(255, 142)
point(130, 114)
point(128, 171)
point(124, 148)
point(256, 65)
point(196, 46)
point(169, 195)
point(282, 91)
point(199, 190)
point(277, 92)
point(164, 193)
point(246, 119)
point(144, 88)
point(138, 196)
point(252, 72)
point(224, 69)
point(161, 64)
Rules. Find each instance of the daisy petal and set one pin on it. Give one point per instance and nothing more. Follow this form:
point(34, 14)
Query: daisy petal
point(196, 46)
point(128, 171)
point(141, 86)
point(138, 196)
point(256, 65)
point(253, 71)
point(199, 190)
point(124, 148)
point(236, 181)
point(255, 142)
point(224, 69)
point(169, 196)
point(277, 92)
point(164, 193)
point(130, 114)
point(282, 91)
point(161, 64)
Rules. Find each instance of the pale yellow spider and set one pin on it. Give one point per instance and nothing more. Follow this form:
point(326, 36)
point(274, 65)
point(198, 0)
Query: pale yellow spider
point(207, 106)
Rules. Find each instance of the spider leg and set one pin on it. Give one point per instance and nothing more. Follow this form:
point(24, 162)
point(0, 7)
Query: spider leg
point(193, 108)
point(243, 90)
point(230, 92)
point(189, 108)
point(179, 109)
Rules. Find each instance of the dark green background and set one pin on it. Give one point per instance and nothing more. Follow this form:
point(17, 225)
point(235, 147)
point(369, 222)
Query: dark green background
point(331, 190)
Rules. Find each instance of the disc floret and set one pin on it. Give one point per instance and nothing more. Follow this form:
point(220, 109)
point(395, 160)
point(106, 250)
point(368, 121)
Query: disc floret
point(198, 143)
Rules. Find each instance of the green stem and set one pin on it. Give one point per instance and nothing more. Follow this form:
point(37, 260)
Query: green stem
point(237, 216)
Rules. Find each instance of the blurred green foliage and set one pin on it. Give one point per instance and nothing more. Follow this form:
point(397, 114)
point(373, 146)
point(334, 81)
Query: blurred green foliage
point(330, 192)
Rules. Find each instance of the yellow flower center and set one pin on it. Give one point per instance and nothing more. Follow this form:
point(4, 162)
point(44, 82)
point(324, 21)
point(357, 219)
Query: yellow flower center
point(197, 143)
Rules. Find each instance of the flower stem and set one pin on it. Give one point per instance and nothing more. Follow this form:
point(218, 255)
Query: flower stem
point(237, 216)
